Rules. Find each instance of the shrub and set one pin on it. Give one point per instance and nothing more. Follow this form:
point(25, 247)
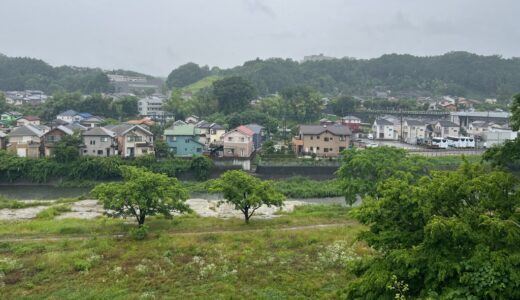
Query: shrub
point(140, 233)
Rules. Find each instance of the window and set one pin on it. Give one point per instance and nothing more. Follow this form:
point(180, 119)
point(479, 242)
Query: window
point(92, 142)
point(312, 148)
point(104, 139)
point(312, 137)
point(145, 151)
point(330, 139)
point(85, 151)
point(242, 139)
point(199, 150)
point(134, 139)
point(326, 150)
point(317, 137)
point(187, 141)
point(230, 139)
point(100, 152)
point(318, 148)
point(326, 139)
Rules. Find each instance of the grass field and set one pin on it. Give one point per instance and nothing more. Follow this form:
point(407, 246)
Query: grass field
point(184, 258)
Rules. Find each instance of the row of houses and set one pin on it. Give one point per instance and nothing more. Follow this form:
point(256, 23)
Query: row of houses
point(416, 131)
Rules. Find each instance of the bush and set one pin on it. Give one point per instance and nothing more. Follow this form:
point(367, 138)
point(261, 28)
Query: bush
point(139, 233)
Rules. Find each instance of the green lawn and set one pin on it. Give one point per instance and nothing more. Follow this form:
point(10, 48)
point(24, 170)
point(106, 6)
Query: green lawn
point(184, 258)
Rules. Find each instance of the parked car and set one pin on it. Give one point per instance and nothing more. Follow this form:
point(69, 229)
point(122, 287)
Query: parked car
point(370, 136)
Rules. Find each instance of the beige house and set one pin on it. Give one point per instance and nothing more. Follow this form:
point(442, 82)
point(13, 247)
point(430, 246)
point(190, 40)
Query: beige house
point(25, 141)
point(210, 133)
point(327, 141)
point(414, 130)
point(98, 141)
point(132, 140)
point(384, 129)
point(445, 128)
point(28, 120)
point(238, 142)
point(480, 127)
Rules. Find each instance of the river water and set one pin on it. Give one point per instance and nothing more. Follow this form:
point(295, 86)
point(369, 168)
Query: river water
point(42, 192)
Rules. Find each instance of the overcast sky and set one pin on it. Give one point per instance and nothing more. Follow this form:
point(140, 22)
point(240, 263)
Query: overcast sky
point(155, 36)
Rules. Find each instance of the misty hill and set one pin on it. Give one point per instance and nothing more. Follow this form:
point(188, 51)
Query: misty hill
point(455, 73)
point(22, 73)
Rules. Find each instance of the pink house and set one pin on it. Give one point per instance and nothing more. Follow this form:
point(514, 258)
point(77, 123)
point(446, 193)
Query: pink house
point(238, 142)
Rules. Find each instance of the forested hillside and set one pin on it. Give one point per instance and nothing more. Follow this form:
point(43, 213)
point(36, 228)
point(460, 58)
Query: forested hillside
point(21, 73)
point(455, 73)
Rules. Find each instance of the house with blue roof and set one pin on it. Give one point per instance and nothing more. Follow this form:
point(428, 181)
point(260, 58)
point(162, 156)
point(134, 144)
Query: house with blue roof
point(183, 140)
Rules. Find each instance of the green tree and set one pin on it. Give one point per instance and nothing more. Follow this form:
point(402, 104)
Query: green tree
point(176, 105)
point(451, 235)
point(161, 149)
point(344, 104)
point(141, 194)
point(247, 193)
point(515, 111)
point(124, 107)
point(362, 170)
point(202, 167)
point(233, 94)
point(302, 103)
point(186, 74)
point(67, 149)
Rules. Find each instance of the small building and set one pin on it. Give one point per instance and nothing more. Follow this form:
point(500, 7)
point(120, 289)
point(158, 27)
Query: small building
point(69, 116)
point(326, 121)
point(98, 141)
point(238, 142)
point(25, 141)
point(26, 120)
point(444, 128)
point(184, 141)
point(384, 129)
point(193, 119)
point(478, 128)
point(259, 136)
point(414, 131)
point(92, 121)
point(209, 133)
point(150, 106)
point(132, 140)
point(352, 122)
point(324, 141)
point(52, 137)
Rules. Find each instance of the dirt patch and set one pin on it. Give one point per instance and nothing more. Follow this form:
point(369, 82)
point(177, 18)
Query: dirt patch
point(84, 209)
point(21, 213)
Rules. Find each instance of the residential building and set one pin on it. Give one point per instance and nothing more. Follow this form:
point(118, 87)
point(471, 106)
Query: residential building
point(193, 119)
point(259, 136)
point(25, 141)
point(238, 142)
point(478, 128)
point(384, 129)
point(445, 128)
point(325, 141)
point(92, 121)
point(150, 106)
point(414, 131)
point(326, 121)
point(132, 140)
point(98, 141)
point(69, 116)
point(183, 140)
point(76, 127)
point(9, 118)
point(52, 137)
point(26, 120)
point(144, 121)
point(209, 133)
point(352, 122)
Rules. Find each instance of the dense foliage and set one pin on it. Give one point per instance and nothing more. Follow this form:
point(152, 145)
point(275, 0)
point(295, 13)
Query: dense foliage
point(141, 194)
point(362, 170)
point(456, 73)
point(451, 235)
point(186, 74)
point(233, 94)
point(21, 73)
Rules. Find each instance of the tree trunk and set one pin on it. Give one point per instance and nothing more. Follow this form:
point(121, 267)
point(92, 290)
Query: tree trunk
point(246, 215)
point(140, 220)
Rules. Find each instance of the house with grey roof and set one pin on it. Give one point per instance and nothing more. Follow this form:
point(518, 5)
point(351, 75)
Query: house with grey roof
point(415, 131)
point(69, 116)
point(98, 141)
point(385, 129)
point(444, 128)
point(322, 140)
point(132, 140)
point(260, 135)
point(25, 141)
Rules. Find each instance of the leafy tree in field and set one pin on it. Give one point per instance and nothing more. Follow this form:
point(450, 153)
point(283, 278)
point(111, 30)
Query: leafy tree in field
point(362, 170)
point(302, 103)
point(451, 235)
point(186, 74)
point(247, 193)
point(233, 94)
point(202, 166)
point(67, 149)
point(141, 194)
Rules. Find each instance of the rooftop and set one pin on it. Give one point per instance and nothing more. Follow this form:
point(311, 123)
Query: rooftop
point(318, 129)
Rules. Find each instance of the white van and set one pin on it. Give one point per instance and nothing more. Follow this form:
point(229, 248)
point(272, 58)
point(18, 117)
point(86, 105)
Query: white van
point(440, 143)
